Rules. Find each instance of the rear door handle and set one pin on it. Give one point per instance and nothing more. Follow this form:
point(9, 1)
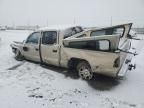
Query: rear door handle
point(36, 49)
point(54, 50)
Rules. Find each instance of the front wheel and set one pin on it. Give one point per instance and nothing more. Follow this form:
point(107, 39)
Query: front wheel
point(18, 55)
point(84, 70)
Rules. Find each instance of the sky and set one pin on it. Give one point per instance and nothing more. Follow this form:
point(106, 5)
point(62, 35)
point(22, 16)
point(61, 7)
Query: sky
point(63, 12)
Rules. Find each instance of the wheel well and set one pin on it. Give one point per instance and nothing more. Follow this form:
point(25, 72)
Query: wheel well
point(14, 50)
point(74, 61)
point(17, 49)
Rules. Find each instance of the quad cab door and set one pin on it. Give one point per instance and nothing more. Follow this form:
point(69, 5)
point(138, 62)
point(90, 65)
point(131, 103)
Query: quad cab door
point(31, 47)
point(49, 48)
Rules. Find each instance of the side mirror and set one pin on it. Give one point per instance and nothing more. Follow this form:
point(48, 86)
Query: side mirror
point(104, 45)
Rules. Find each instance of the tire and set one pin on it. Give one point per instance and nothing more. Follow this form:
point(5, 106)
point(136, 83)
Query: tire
point(84, 70)
point(18, 55)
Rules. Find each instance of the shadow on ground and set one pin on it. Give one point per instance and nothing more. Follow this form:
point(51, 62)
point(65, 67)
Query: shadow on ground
point(102, 83)
point(68, 73)
point(99, 82)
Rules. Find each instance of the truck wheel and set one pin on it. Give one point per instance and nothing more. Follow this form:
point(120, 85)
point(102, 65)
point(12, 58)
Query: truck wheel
point(84, 70)
point(18, 55)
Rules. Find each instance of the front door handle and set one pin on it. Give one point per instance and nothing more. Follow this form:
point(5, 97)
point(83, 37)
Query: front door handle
point(54, 50)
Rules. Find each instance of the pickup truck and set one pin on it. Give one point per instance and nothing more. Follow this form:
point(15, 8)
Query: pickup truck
point(92, 50)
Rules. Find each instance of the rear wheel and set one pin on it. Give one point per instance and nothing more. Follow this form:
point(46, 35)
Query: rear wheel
point(18, 55)
point(84, 70)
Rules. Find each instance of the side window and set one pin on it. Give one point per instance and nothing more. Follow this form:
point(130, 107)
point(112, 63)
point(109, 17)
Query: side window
point(78, 29)
point(102, 32)
point(49, 37)
point(72, 31)
point(69, 32)
point(119, 31)
point(104, 45)
point(108, 31)
point(98, 33)
point(34, 38)
point(97, 45)
point(89, 45)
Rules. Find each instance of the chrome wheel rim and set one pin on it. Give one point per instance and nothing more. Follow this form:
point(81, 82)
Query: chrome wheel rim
point(85, 72)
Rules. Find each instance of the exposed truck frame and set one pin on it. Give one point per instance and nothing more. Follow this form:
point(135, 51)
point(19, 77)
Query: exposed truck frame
point(95, 50)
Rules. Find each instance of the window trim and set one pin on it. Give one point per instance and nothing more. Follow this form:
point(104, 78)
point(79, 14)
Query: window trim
point(57, 37)
point(109, 50)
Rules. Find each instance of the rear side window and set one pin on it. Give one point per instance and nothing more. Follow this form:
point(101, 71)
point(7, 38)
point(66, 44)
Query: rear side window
point(72, 31)
point(78, 29)
point(97, 45)
point(118, 31)
point(98, 33)
point(49, 37)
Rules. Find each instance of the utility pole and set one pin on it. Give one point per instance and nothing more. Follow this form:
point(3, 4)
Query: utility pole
point(47, 23)
point(13, 24)
point(28, 23)
point(74, 21)
point(111, 21)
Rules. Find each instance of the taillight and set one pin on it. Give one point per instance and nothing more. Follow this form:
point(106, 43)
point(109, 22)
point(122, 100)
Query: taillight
point(117, 62)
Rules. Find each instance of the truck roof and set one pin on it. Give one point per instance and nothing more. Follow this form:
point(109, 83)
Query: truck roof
point(100, 28)
point(59, 27)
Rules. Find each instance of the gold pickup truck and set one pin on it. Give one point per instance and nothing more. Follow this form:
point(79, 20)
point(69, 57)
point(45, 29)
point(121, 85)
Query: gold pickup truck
point(90, 50)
